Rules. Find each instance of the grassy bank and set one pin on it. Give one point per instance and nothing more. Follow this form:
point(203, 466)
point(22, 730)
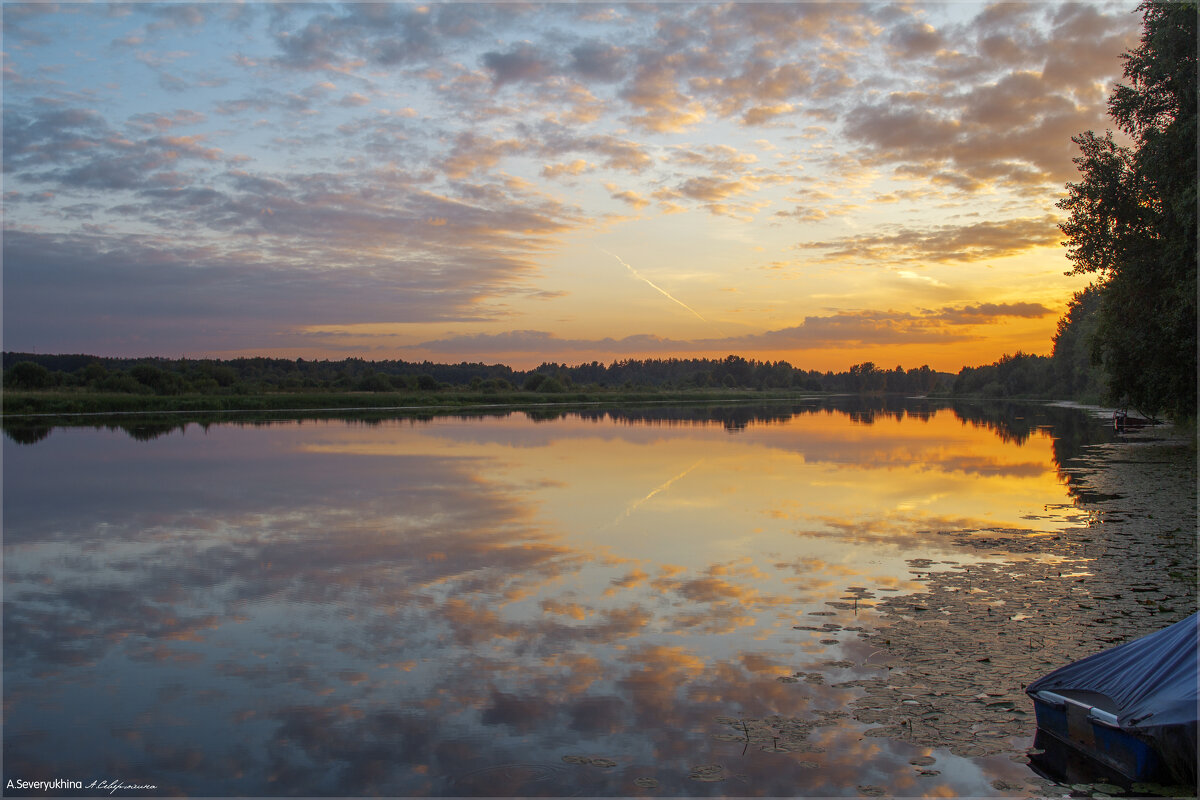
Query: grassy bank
point(67, 403)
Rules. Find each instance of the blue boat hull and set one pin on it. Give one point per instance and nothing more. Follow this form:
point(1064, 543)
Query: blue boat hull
point(1094, 734)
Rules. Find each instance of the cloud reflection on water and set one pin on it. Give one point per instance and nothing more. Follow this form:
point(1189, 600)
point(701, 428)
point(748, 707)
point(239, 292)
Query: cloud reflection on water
point(333, 609)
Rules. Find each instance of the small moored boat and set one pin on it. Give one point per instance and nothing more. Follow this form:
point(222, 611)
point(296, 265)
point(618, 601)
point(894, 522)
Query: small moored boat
point(1131, 709)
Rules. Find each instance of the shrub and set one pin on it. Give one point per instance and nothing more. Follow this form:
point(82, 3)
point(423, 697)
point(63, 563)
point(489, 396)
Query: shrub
point(28, 375)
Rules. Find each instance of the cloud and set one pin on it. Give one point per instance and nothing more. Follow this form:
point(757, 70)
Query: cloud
point(522, 63)
point(76, 148)
point(598, 61)
point(946, 243)
point(353, 100)
point(1032, 74)
point(854, 328)
point(761, 115)
point(177, 15)
point(534, 341)
point(627, 196)
point(986, 312)
point(246, 275)
point(659, 105)
point(918, 133)
point(576, 167)
point(615, 152)
point(715, 157)
point(844, 328)
point(154, 121)
point(915, 39)
point(474, 153)
point(710, 189)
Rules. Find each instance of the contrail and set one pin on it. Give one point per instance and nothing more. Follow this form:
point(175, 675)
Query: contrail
point(655, 286)
point(638, 503)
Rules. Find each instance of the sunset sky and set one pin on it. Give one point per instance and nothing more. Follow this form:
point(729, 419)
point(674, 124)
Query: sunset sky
point(826, 183)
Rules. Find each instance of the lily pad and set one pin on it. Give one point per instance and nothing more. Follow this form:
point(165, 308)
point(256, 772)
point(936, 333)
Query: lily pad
point(890, 731)
point(708, 773)
point(1163, 791)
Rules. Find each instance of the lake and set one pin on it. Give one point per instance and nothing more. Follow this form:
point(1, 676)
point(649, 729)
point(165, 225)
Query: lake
point(552, 602)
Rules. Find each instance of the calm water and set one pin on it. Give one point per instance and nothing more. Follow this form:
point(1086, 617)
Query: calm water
point(502, 604)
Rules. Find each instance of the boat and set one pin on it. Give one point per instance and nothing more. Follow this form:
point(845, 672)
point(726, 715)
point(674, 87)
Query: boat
point(1123, 422)
point(1130, 710)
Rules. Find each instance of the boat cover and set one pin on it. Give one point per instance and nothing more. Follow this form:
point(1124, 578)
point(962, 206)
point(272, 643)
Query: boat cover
point(1151, 680)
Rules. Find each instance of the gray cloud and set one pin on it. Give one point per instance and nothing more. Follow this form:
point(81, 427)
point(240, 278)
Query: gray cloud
point(145, 294)
point(844, 328)
point(521, 63)
point(598, 61)
point(385, 34)
point(915, 39)
point(986, 312)
point(533, 341)
point(965, 243)
point(1032, 74)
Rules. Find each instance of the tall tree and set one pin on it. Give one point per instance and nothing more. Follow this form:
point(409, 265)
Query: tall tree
point(1133, 219)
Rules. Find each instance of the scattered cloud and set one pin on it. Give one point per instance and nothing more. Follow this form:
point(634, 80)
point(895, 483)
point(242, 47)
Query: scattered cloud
point(522, 63)
point(630, 197)
point(942, 325)
point(452, 152)
point(946, 243)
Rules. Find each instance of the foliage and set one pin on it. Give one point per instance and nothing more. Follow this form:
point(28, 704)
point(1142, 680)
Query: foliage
point(1076, 360)
point(252, 376)
point(1132, 219)
point(27, 375)
point(1022, 375)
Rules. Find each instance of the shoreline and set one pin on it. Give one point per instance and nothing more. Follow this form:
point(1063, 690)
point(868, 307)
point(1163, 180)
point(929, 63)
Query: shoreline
point(67, 406)
point(960, 653)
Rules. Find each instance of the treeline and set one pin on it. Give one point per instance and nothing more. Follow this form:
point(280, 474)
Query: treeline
point(1071, 372)
point(1132, 221)
point(166, 376)
point(1130, 337)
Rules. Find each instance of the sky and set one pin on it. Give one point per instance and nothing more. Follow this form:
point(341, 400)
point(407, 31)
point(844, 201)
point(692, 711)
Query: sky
point(825, 183)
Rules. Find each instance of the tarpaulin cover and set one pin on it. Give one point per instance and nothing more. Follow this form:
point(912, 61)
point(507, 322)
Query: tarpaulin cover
point(1152, 680)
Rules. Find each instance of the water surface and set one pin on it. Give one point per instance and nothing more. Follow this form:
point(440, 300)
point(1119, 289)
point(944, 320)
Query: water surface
point(509, 604)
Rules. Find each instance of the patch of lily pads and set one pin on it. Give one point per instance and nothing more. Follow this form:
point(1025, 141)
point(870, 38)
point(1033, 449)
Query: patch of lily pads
point(964, 649)
point(958, 654)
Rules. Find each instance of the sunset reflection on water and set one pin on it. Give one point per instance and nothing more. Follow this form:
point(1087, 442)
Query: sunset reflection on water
point(487, 605)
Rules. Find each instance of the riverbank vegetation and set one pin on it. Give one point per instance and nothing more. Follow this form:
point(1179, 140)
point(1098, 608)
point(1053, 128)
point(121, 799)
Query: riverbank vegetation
point(1132, 223)
point(81, 383)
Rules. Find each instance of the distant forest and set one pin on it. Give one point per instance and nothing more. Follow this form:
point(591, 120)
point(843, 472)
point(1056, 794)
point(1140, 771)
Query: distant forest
point(1067, 374)
point(168, 376)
